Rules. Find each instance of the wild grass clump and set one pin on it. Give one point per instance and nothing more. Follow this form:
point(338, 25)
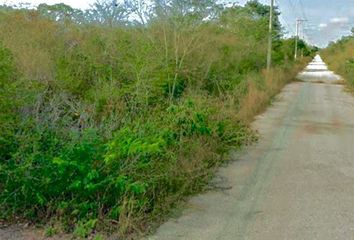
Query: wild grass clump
point(109, 126)
point(339, 56)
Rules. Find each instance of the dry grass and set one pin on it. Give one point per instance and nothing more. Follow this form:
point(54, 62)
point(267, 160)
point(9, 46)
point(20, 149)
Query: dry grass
point(121, 76)
point(258, 98)
point(339, 57)
point(31, 41)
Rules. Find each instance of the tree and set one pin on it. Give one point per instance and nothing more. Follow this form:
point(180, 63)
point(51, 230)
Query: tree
point(109, 12)
point(259, 10)
point(61, 12)
point(140, 11)
point(187, 11)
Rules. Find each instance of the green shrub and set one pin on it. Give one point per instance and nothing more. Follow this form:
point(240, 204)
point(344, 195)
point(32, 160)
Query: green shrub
point(107, 127)
point(86, 177)
point(8, 103)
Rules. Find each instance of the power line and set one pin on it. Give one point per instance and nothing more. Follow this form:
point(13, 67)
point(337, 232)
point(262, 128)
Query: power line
point(298, 11)
point(303, 12)
point(289, 27)
point(292, 6)
point(302, 9)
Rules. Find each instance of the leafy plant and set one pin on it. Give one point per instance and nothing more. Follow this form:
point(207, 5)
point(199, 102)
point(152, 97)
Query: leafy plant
point(107, 122)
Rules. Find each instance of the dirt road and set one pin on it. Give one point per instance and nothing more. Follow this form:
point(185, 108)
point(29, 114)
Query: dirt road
point(296, 183)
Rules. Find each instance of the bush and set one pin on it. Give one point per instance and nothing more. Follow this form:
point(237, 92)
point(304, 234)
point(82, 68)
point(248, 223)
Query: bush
point(143, 165)
point(110, 126)
point(339, 56)
point(8, 103)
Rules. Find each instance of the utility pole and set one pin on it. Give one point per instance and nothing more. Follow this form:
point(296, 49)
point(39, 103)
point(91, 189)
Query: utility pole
point(270, 37)
point(297, 38)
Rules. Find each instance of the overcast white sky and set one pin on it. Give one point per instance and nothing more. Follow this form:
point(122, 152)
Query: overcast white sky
point(328, 20)
point(74, 3)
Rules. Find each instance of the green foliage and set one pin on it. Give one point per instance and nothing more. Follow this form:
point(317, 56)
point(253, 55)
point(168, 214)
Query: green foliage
point(84, 229)
point(60, 12)
point(104, 125)
point(51, 171)
point(98, 237)
point(8, 102)
point(50, 231)
point(284, 50)
point(339, 56)
point(349, 71)
point(7, 68)
point(76, 72)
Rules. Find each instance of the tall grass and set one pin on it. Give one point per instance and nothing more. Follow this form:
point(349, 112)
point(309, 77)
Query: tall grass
point(108, 127)
point(340, 58)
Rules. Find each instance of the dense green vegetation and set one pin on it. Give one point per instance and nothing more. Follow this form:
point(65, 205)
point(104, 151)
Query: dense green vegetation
point(109, 117)
point(340, 57)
